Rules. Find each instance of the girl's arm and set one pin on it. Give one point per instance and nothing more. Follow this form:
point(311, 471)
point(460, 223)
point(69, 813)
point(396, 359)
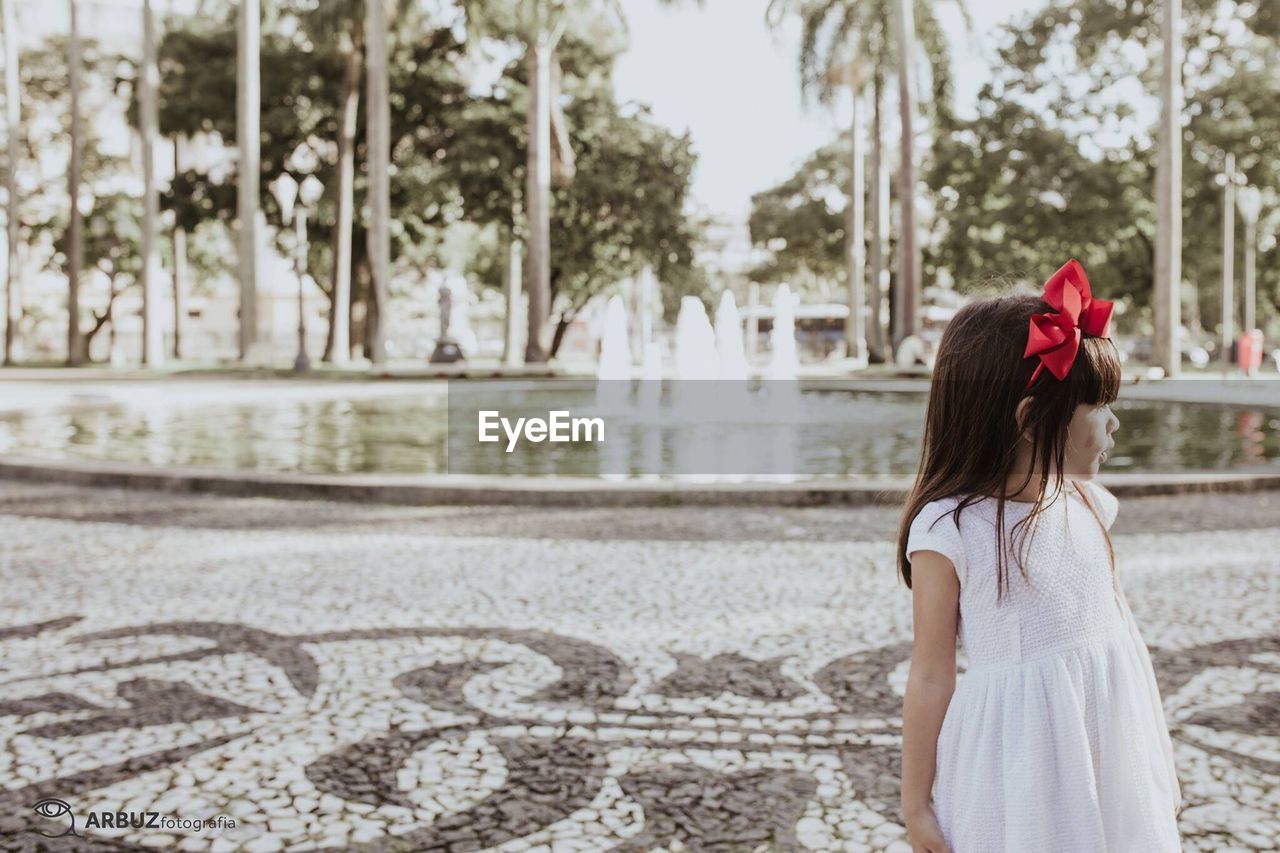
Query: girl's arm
point(935, 593)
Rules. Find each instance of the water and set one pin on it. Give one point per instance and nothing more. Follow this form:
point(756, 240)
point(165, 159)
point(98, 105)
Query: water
point(696, 356)
point(615, 348)
point(830, 434)
point(783, 359)
point(729, 345)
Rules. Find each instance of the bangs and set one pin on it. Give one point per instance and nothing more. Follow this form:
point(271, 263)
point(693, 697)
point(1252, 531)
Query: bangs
point(1096, 375)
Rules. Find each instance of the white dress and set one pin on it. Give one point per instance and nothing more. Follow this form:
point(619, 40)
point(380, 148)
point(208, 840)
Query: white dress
point(1055, 740)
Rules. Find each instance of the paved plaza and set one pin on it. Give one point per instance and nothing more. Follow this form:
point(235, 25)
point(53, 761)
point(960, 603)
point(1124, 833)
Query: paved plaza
point(339, 676)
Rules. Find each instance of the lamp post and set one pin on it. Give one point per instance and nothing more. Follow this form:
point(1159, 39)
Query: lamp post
point(287, 191)
point(1228, 180)
point(1249, 200)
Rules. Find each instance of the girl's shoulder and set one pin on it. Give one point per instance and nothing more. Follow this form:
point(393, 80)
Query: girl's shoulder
point(934, 528)
point(1107, 504)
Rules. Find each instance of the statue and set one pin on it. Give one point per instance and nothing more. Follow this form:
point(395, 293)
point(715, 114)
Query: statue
point(447, 350)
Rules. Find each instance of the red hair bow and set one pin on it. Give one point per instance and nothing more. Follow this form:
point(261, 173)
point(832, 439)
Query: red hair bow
point(1055, 337)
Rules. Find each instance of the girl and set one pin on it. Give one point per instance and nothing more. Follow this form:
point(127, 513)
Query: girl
point(1054, 739)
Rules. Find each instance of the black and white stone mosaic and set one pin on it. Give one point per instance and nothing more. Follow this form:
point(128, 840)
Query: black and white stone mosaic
point(382, 679)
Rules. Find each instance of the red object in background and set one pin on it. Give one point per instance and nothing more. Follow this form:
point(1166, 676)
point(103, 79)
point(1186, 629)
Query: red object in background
point(1249, 351)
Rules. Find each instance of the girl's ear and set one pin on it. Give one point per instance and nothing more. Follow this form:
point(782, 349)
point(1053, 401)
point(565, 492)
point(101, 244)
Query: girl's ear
point(1020, 417)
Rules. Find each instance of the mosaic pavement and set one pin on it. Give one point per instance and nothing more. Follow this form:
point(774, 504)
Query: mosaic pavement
point(328, 676)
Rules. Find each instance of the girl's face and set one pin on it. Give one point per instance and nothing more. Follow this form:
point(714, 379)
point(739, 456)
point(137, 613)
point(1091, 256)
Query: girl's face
point(1089, 441)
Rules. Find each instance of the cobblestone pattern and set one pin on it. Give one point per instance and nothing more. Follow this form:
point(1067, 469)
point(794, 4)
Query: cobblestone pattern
point(373, 678)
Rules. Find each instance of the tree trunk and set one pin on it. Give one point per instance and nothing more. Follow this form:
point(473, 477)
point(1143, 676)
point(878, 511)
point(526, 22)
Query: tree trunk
point(248, 112)
point(879, 223)
point(75, 238)
point(854, 330)
point(1228, 259)
point(538, 199)
point(908, 291)
point(512, 281)
point(13, 118)
point(179, 260)
point(1168, 262)
point(562, 326)
point(337, 349)
point(379, 144)
point(359, 300)
point(148, 120)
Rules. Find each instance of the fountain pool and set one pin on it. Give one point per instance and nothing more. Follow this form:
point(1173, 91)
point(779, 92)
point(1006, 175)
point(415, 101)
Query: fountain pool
point(831, 433)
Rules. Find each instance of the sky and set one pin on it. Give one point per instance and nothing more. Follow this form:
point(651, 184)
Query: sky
point(721, 74)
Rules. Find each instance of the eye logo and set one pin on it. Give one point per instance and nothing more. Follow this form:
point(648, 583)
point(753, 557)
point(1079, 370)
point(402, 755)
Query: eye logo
point(53, 808)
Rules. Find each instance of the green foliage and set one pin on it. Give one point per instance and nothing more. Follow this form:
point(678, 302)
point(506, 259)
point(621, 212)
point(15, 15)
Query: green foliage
point(624, 208)
point(1060, 161)
point(802, 219)
point(301, 96)
point(836, 34)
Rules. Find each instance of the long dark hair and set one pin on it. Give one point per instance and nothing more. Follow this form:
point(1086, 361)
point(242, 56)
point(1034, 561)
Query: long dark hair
point(971, 430)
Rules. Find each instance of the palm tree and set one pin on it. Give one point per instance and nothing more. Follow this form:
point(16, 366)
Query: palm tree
point(1168, 261)
point(13, 119)
point(836, 34)
point(148, 80)
point(248, 137)
point(342, 22)
point(379, 143)
point(908, 311)
point(540, 25)
point(75, 237)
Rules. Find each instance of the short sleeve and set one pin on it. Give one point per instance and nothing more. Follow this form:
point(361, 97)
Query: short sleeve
point(934, 529)
point(1107, 504)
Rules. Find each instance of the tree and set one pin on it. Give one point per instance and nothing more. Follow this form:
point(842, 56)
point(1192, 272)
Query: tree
point(75, 248)
point(540, 25)
point(624, 208)
point(908, 263)
point(302, 108)
point(379, 131)
point(341, 22)
point(148, 80)
point(800, 220)
point(13, 121)
point(249, 139)
point(840, 39)
point(1062, 164)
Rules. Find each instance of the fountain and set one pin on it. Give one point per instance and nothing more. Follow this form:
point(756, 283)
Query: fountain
point(781, 386)
point(783, 361)
point(613, 372)
point(651, 377)
point(615, 348)
point(733, 353)
point(696, 356)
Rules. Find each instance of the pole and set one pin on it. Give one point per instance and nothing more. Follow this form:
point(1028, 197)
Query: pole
point(1228, 258)
point(148, 79)
point(248, 134)
point(75, 237)
point(854, 327)
point(13, 122)
point(538, 198)
point(908, 290)
point(301, 362)
point(512, 276)
point(179, 258)
point(1168, 261)
point(379, 137)
point(879, 220)
point(1250, 274)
